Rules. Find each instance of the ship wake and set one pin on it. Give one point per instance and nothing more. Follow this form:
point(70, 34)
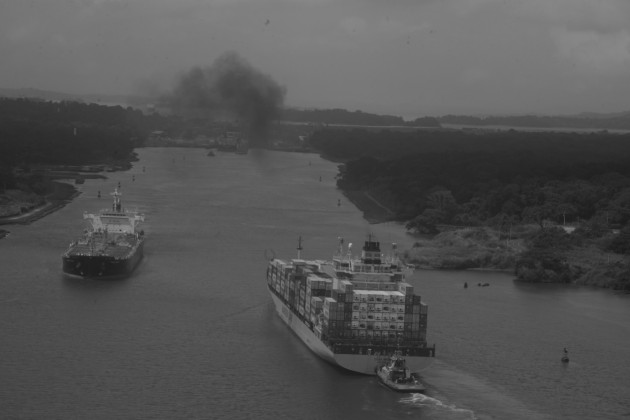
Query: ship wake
point(437, 406)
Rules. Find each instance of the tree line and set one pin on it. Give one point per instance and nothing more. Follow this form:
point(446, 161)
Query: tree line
point(619, 121)
point(36, 132)
point(344, 117)
point(451, 177)
point(502, 180)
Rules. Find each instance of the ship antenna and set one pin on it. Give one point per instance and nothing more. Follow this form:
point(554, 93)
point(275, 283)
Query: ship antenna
point(299, 248)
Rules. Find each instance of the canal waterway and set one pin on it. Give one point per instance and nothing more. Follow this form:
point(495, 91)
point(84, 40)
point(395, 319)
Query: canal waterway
point(193, 333)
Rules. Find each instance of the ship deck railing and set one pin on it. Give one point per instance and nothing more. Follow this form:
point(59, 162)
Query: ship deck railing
point(377, 349)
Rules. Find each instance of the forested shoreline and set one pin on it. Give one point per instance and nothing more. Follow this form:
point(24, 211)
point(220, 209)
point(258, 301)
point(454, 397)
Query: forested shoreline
point(41, 141)
point(554, 207)
point(499, 182)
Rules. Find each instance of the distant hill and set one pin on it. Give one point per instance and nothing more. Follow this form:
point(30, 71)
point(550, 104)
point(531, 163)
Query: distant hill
point(135, 101)
point(339, 116)
point(587, 120)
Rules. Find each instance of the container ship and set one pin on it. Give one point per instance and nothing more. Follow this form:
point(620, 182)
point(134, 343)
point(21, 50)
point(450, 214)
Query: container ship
point(354, 311)
point(111, 247)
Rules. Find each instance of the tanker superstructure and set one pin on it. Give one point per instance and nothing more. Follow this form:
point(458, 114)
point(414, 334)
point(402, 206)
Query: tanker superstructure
point(354, 312)
point(111, 247)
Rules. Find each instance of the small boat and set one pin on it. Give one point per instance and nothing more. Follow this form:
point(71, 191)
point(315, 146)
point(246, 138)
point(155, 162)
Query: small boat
point(565, 356)
point(395, 375)
point(211, 153)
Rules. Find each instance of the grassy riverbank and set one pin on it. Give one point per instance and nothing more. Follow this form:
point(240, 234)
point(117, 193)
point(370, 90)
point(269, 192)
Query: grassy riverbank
point(19, 207)
point(468, 248)
point(23, 206)
point(585, 261)
point(373, 211)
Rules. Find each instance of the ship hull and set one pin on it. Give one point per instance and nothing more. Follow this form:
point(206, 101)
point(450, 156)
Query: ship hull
point(102, 266)
point(400, 387)
point(359, 363)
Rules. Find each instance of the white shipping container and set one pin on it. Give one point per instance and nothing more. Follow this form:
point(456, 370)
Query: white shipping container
point(387, 297)
point(346, 286)
point(397, 297)
point(405, 288)
point(329, 302)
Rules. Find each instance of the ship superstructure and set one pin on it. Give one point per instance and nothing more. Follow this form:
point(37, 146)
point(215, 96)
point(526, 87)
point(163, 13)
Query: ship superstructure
point(112, 246)
point(353, 311)
point(233, 141)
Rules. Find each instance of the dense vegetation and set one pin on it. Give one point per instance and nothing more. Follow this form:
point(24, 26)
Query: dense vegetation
point(619, 121)
point(450, 177)
point(345, 117)
point(34, 132)
point(430, 179)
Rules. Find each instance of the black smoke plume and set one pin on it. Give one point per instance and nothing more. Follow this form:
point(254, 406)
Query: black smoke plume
point(231, 88)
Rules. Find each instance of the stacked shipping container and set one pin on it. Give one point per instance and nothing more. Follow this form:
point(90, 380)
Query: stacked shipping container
point(384, 311)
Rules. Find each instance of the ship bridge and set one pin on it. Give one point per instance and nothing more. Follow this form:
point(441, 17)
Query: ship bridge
point(116, 219)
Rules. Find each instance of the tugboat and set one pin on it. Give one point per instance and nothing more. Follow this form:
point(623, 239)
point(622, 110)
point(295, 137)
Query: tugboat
point(395, 375)
point(111, 248)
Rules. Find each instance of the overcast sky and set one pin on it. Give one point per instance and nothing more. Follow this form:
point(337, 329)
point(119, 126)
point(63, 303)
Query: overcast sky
point(403, 57)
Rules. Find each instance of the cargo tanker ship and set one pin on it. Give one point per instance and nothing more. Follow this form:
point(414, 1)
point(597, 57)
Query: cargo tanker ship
point(354, 311)
point(111, 247)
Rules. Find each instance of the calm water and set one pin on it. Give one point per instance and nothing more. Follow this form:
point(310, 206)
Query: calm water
point(193, 334)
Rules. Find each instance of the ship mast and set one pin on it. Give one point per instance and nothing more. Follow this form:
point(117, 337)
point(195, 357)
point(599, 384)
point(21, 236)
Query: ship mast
point(299, 248)
point(117, 205)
